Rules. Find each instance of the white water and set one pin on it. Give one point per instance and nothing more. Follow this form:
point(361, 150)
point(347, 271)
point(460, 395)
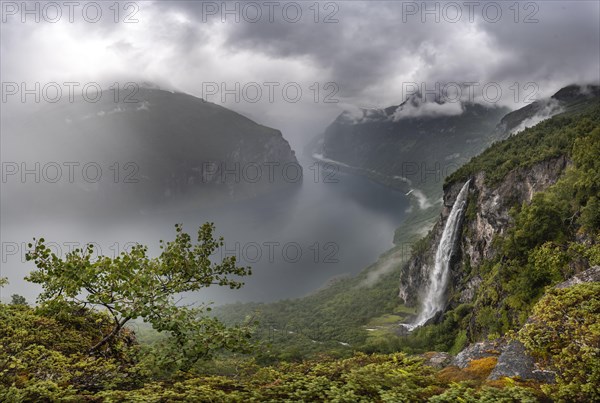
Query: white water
point(438, 280)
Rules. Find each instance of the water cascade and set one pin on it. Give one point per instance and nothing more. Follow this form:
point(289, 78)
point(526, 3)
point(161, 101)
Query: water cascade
point(434, 299)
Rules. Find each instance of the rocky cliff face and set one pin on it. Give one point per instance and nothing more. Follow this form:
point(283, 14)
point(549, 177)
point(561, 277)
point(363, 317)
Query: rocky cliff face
point(487, 216)
point(492, 204)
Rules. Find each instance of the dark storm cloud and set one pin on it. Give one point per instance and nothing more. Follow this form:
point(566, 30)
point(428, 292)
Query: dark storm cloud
point(367, 44)
point(370, 51)
point(565, 43)
point(371, 43)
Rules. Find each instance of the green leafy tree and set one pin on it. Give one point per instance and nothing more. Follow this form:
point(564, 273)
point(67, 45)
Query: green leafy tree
point(133, 285)
point(17, 299)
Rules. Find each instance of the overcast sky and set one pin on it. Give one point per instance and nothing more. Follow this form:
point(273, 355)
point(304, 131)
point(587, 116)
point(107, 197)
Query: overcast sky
point(371, 51)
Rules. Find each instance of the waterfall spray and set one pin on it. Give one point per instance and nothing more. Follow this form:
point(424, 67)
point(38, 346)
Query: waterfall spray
point(434, 299)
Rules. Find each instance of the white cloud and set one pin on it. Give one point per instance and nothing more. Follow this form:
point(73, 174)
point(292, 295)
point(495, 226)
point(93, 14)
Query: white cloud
point(549, 108)
point(429, 109)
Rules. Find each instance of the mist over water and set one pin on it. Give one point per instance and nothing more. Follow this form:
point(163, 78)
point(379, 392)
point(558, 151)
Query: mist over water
point(295, 240)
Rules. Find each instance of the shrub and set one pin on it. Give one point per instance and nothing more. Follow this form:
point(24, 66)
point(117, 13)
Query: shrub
point(565, 334)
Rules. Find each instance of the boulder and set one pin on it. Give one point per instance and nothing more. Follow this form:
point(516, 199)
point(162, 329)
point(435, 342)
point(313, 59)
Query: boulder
point(476, 351)
point(588, 276)
point(515, 362)
point(436, 359)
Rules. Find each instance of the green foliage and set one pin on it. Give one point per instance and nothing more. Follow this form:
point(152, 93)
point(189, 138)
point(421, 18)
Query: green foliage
point(460, 342)
point(553, 236)
point(42, 355)
point(133, 285)
point(472, 206)
point(36, 365)
point(590, 214)
point(564, 332)
point(585, 155)
point(422, 245)
point(304, 328)
point(462, 392)
point(551, 138)
point(543, 219)
point(362, 378)
point(443, 336)
point(17, 299)
point(193, 338)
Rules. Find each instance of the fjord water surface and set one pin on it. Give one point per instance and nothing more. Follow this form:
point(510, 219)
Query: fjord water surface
point(295, 240)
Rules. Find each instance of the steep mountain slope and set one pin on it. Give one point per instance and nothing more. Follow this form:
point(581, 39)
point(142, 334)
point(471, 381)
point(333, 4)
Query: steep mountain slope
point(532, 221)
point(568, 99)
point(175, 145)
point(492, 219)
point(418, 151)
point(397, 148)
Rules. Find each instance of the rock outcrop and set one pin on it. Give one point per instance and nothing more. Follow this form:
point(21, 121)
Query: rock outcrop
point(589, 276)
point(513, 359)
point(515, 362)
point(437, 359)
point(476, 351)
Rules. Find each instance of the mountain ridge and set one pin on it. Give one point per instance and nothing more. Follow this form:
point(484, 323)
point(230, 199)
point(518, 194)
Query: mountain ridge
point(182, 147)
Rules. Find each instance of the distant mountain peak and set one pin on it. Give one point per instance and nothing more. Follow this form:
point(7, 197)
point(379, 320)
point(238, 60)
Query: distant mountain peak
point(573, 91)
point(567, 98)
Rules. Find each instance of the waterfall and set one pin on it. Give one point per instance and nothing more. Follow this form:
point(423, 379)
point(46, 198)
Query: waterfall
point(438, 278)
